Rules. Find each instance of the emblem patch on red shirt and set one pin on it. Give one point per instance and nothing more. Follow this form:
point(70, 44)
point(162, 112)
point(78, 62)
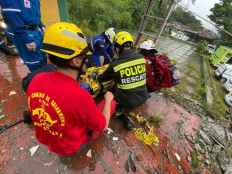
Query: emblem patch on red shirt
point(41, 116)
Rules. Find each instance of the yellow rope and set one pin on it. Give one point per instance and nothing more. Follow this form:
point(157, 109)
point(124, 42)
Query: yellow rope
point(146, 134)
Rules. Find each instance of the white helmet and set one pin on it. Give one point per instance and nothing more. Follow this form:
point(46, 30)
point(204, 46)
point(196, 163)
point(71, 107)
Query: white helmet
point(147, 45)
point(110, 33)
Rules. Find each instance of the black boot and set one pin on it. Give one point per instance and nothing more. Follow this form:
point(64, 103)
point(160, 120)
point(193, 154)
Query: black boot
point(127, 123)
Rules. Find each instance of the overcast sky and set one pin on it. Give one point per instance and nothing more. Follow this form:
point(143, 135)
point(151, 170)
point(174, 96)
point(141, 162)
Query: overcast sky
point(202, 8)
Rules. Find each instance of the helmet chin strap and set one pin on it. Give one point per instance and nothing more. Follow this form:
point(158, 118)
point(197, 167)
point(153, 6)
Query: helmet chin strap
point(80, 69)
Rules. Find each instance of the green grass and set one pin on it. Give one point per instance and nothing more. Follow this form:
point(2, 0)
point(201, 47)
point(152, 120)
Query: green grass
point(218, 108)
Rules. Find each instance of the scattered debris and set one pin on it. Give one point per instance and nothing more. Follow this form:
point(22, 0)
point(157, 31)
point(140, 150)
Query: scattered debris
point(3, 101)
point(48, 164)
point(89, 153)
point(2, 116)
point(115, 138)
point(130, 163)
point(109, 131)
point(34, 149)
point(177, 156)
point(145, 132)
point(12, 93)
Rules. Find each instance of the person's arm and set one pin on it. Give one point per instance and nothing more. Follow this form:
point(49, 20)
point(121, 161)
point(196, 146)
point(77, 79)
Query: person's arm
point(95, 119)
point(107, 75)
point(107, 108)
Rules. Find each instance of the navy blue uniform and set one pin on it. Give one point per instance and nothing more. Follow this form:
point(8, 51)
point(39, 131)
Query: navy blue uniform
point(25, 26)
point(101, 46)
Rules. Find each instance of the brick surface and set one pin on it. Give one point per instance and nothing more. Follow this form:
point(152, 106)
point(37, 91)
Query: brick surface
point(108, 156)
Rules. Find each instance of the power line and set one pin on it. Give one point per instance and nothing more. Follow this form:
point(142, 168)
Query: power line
point(208, 21)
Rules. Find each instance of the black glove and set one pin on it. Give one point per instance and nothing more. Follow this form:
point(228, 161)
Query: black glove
point(27, 117)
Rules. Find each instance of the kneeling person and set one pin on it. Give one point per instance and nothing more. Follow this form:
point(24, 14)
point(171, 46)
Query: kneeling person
point(65, 116)
point(129, 73)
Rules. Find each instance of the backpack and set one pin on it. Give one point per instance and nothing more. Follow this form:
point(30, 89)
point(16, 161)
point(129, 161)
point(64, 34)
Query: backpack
point(161, 73)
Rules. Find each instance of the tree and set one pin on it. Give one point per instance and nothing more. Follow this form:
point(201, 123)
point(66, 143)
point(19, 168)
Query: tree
point(186, 18)
point(94, 16)
point(100, 14)
point(221, 16)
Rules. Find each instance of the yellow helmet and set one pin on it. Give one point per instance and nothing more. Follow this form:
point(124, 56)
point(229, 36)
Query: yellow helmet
point(64, 40)
point(123, 37)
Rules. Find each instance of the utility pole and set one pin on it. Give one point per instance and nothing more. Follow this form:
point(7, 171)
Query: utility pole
point(171, 10)
point(144, 19)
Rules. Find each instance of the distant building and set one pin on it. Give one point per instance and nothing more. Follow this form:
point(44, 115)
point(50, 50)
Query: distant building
point(194, 35)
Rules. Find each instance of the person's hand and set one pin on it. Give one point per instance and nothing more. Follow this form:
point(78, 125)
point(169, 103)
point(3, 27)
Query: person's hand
point(108, 96)
point(31, 46)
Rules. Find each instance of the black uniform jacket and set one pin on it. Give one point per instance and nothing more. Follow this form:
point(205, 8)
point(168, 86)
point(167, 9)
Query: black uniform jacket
point(129, 74)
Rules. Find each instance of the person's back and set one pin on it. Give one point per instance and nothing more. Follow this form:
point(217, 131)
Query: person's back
point(101, 45)
point(129, 73)
point(58, 108)
point(64, 115)
point(160, 71)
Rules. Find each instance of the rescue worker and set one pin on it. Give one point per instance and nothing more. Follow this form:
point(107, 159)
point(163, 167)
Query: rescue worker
point(147, 48)
point(129, 74)
point(102, 46)
point(65, 116)
point(160, 72)
point(23, 20)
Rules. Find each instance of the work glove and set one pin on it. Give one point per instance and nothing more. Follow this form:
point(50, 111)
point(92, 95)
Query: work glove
point(27, 117)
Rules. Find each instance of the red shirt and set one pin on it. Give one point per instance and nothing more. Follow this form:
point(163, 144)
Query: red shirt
point(62, 113)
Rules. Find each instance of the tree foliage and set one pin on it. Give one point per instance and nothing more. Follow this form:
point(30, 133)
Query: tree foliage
point(95, 16)
point(186, 18)
point(100, 14)
point(222, 16)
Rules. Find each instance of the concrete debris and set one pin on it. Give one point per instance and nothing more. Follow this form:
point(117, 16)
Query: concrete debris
point(33, 150)
point(205, 137)
point(197, 147)
point(89, 154)
point(207, 162)
point(12, 93)
point(228, 170)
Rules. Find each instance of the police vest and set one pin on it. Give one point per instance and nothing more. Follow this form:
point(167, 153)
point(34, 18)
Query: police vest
point(132, 74)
